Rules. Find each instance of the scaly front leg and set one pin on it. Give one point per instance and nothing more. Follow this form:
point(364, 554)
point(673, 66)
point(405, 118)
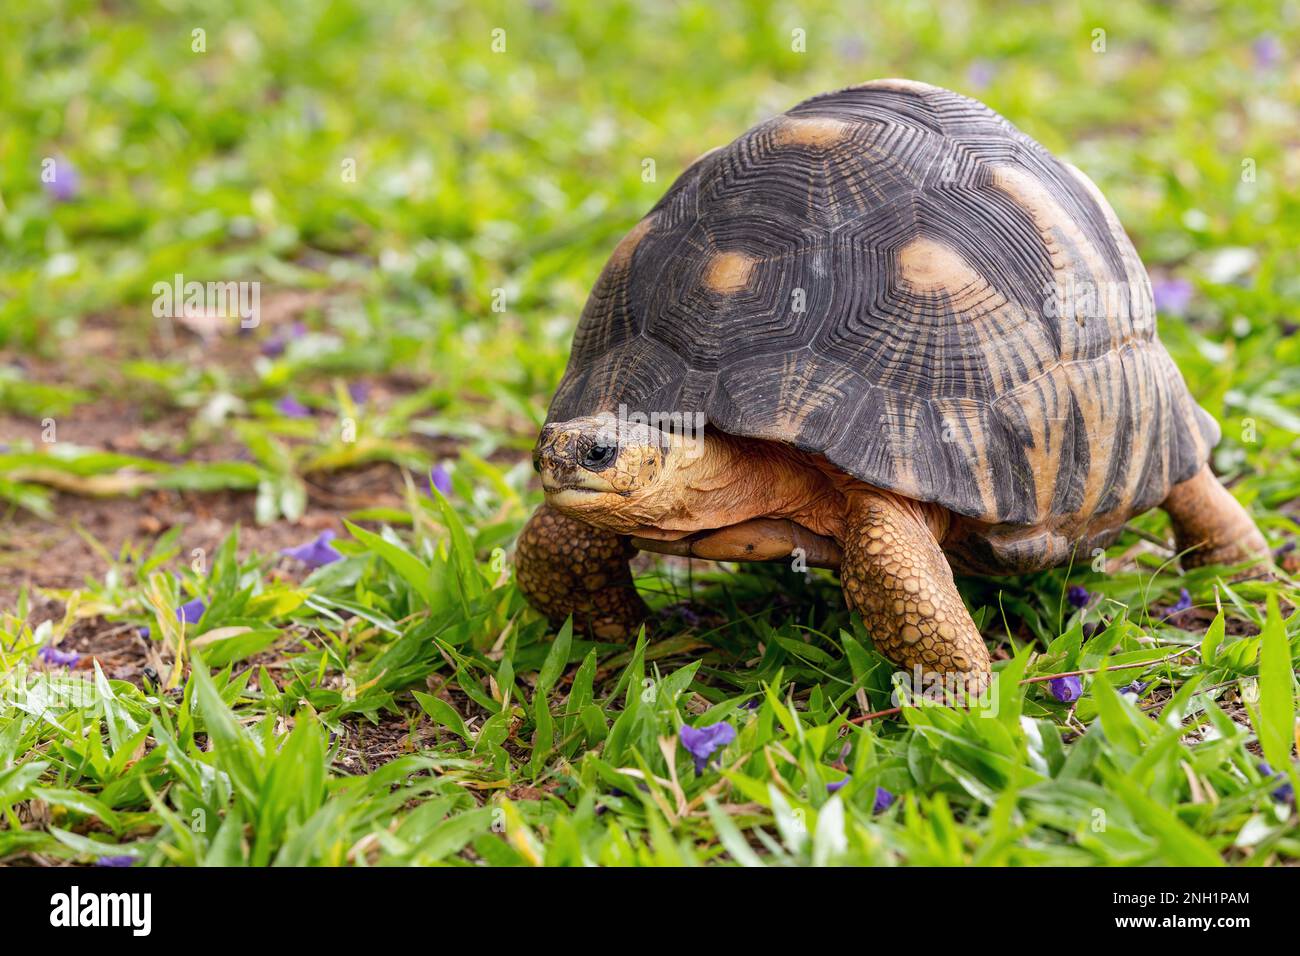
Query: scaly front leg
point(896, 576)
point(564, 567)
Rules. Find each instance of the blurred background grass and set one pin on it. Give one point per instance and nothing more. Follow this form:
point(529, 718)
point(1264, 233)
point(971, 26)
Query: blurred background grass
point(478, 170)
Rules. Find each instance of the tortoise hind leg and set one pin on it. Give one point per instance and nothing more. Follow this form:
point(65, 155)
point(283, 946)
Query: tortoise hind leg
point(1210, 525)
point(896, 576)
point(564, 567)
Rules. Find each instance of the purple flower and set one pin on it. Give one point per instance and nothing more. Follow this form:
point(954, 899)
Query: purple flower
point(1267, 50)
point(884, 800)
point(979, 74)
point(683, 611)
point(188, 613)
point(274, 346)
point(312, 117)
point(851, 48)
point(701, 742)
point(1066, 689)
point(52, 655)
point(1286, 792)
point(359, 391)
point(440, 478)
point(315, 553)
point(1172, 296)
point(835, 786)
point(290, 407)
point(62, 182)
point(1078, 596)
point(115, 861)
point(191, 611)
point(1184, 602)
point(1136, 688)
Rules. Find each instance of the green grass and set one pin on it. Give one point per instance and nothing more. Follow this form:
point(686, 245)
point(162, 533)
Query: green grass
point(403, 705)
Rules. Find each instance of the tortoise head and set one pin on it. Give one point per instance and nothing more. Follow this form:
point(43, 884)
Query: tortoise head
point(609, 472)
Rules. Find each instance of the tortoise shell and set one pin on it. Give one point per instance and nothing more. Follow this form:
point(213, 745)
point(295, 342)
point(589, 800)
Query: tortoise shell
point(895, 278)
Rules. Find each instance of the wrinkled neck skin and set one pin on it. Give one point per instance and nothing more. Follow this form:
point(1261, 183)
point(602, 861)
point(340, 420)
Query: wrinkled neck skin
point(737, 479)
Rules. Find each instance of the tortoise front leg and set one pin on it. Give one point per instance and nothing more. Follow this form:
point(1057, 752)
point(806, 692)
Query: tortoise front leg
point(896, 576)
point(564, 567)
point(1210, 525)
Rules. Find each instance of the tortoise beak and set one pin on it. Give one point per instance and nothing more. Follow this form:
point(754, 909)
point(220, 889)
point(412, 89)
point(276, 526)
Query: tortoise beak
point(559, 458)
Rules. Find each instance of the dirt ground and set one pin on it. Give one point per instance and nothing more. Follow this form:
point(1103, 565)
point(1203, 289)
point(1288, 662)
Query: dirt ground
point(87, 532)
point(37, 553)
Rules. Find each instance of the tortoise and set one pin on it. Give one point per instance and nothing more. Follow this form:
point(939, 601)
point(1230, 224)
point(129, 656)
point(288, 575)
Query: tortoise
point(885, 332)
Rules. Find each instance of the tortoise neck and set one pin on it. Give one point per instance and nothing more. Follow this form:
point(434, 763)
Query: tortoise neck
point(726, 480)
point(736, 479)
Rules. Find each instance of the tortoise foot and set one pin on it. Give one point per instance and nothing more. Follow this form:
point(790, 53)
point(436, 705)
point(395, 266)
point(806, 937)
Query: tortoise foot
point(895, 574)
point(564, 567)
point(1210, 525)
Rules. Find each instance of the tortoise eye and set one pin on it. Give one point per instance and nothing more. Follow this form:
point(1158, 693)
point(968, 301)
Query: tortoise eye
point(599, 456)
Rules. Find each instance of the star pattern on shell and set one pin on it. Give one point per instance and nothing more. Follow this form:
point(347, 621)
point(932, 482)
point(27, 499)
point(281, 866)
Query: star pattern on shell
point(896, 279)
